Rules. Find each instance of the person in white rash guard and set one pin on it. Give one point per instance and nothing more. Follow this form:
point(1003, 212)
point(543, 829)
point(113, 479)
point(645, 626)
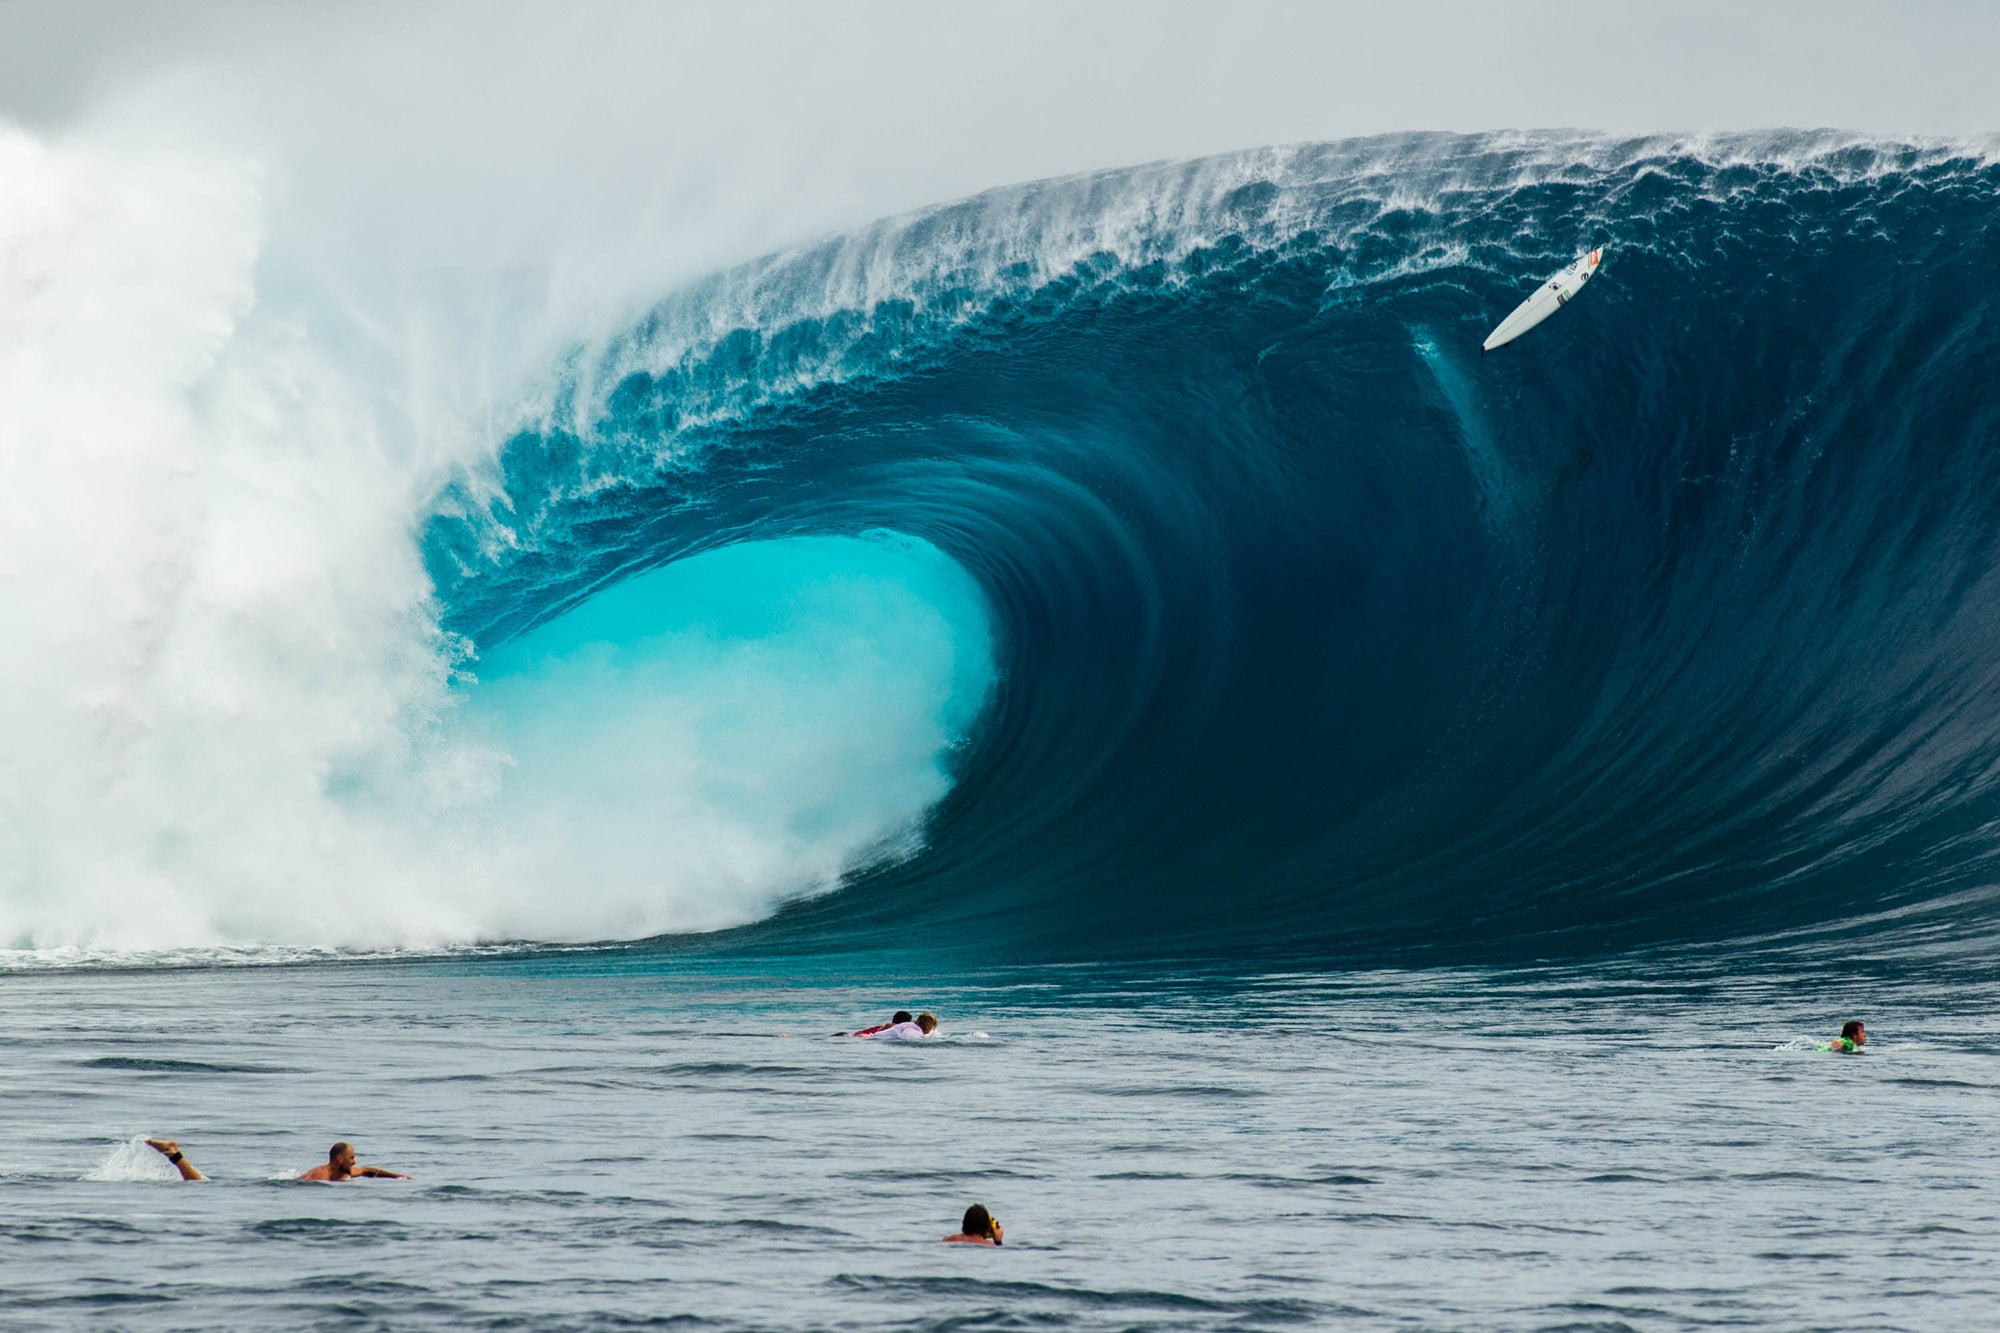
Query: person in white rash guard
point(925, 1026)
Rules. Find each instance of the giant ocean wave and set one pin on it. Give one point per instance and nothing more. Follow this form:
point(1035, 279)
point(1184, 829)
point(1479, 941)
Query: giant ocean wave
point(1133, 563)
point(1311, 629)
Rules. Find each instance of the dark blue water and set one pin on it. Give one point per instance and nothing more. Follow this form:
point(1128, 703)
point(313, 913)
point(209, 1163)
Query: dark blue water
point(1314, 633)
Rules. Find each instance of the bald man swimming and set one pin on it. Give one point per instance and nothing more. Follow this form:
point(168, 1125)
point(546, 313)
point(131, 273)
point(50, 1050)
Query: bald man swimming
point(340, 1164)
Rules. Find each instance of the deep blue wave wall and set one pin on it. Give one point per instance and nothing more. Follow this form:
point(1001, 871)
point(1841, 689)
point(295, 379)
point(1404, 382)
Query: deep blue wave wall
point(1675, 619)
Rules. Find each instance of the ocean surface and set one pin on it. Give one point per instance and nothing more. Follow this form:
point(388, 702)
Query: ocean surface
point(641, 1141)
point(1381, 825)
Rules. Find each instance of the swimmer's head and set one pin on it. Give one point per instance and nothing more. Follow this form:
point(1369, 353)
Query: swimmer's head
point(902, 1016)
point(341, 1155)
point(928, 1022)
point(1855, 1030)
point(979, 1222)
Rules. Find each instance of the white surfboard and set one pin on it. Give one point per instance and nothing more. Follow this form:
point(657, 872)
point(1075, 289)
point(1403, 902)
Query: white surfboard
point(1550, 297)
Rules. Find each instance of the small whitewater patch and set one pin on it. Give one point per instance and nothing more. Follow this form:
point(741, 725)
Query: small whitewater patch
point(935, 1039)
point(132, 1160)
point(1809, 1044)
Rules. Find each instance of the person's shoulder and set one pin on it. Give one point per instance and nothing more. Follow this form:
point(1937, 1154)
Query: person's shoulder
point(963, 1239)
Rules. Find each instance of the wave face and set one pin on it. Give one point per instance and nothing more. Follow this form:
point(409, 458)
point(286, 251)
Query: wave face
point(1312, 629)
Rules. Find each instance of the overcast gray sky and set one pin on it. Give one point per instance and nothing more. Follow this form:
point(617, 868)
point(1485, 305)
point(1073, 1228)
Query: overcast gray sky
point(477, 129)
point(1170, 75)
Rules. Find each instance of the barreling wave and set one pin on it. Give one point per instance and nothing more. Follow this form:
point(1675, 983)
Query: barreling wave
point(1310, 629)
point(1135, 563)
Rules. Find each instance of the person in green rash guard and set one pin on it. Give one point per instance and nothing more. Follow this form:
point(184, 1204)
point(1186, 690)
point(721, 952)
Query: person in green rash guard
point(1853, 1036)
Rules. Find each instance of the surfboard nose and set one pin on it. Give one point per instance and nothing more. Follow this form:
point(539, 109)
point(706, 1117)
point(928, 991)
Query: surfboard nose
point(1595, 255)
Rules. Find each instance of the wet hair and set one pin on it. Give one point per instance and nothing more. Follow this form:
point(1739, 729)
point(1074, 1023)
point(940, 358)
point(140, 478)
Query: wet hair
point(928, 1022)
point(333, 1153)
point(1850, 1029)
point(977, 1222)
point(902, 1016)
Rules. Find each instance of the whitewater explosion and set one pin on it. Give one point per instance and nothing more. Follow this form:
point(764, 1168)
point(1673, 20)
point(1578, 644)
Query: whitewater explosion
point(1136, 561)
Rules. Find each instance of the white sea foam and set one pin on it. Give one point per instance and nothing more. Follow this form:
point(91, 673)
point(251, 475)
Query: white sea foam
point(227, 705)
point(133, 1160)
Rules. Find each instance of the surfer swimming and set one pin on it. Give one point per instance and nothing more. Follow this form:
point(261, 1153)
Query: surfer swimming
point(925, 1026)
point(902, 1016)
point(340, 1166)
point(978, 1227)
point(1853, 1036)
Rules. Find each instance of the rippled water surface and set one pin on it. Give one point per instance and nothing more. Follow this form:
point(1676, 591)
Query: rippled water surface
point(622, 1140)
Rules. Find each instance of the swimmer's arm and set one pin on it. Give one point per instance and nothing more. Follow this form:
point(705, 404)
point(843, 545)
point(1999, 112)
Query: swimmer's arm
point(171, 1150)
point(380, 1173)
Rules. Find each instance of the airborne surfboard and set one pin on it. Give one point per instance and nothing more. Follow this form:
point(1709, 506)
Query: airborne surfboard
point(1548, 298)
